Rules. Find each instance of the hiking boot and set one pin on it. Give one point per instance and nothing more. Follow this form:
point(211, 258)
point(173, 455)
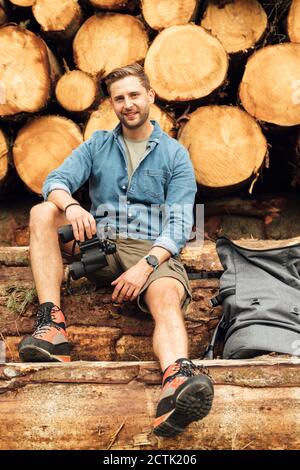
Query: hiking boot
point(49, 342)
point(187, 395)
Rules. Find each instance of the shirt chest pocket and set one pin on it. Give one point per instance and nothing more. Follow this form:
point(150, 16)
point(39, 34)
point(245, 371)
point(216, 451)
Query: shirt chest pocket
point(155, 183)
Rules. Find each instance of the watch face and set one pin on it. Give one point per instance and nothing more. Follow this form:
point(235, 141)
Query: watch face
point(152, 260)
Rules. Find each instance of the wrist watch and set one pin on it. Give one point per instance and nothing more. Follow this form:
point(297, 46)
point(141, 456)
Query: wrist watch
point(152, 261)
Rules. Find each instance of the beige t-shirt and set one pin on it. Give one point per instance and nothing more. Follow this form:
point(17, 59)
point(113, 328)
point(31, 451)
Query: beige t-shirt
point(135, 149)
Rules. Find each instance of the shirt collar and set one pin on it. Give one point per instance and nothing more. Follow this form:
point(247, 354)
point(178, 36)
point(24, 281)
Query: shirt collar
point(154, 137)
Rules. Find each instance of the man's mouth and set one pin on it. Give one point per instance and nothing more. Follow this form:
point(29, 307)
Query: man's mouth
point(131, 115)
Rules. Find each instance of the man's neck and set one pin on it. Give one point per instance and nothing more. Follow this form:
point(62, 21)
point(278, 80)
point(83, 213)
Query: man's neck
point(141, 133)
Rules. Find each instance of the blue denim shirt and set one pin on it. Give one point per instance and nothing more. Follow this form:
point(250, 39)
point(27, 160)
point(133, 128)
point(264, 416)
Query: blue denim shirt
point(156, 203)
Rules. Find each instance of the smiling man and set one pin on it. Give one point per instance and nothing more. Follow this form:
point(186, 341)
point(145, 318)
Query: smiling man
point(142, 186)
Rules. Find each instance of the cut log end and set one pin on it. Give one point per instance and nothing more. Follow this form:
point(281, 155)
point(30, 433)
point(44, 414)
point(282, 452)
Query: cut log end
point(63, 16)
point(105, 119)
point(162, 14)
point(270, 90)
point(107, 41)
point(238, 25)
point(25, 71)
point(179, 72)
point(293, 21)
point(226, 146)
point(76, 91)
point(41, 146)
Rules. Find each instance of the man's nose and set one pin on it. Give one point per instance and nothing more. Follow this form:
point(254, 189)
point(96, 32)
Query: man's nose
point(128, 102)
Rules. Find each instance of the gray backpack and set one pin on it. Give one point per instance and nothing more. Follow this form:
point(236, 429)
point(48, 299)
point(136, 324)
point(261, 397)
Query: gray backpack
point(260, 294)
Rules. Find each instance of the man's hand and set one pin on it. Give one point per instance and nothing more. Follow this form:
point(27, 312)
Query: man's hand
point(129, 284)
point(82, 221)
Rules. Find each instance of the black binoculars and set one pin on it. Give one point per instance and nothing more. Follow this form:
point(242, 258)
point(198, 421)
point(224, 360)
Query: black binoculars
point(92, 251)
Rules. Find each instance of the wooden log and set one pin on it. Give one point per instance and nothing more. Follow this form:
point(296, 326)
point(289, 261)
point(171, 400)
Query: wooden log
point(14, 229)
point(23, 3)
point(113, 4)
point(293, 21)
point(107, 41)
point(104, 118)
point(28, 69)
point(262, 206)
point(160, 14)
point(179, 72)
point(41, 146)
point(226, 146)
point(104, 405)
point(194, 257)
point(238, 25)
point(97, 328)
point(62, 18)
point(77, 91)
point(277, 104)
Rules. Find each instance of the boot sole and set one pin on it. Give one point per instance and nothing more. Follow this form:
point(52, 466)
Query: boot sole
point(193, 403)
point(35, 354)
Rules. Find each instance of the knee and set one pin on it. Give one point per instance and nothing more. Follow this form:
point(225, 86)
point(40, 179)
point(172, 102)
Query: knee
point(42, 214)
point(162, 297)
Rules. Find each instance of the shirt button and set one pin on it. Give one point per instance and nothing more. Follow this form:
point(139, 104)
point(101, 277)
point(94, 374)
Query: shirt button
point(123, 187)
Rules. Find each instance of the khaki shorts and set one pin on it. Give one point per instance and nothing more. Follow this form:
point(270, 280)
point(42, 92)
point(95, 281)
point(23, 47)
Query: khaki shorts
point(128, 253)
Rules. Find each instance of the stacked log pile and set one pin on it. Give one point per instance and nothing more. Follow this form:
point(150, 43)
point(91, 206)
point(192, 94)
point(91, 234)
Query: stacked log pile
point(55, 58)
point(226, 76)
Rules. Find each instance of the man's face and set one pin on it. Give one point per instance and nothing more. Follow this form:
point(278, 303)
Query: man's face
point(131, 101)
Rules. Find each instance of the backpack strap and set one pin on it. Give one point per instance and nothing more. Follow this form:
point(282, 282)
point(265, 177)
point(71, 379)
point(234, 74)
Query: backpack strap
point(215, 302)
point(218, 300)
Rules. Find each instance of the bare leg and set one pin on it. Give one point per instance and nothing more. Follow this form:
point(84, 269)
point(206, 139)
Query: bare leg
point(170, 341)
point(45, 253)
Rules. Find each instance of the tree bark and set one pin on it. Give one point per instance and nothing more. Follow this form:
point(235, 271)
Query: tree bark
point(28, 70)
point(179, 72)
point(62, 18)
point(77, 406)
point(278, 104)
point(41, 146)
point(238, 25)
point(107, 41)
point(160, 14)
point(77, 91)
point(226, 146)
point(293, 21)
point(104, 118)
point(97, 328)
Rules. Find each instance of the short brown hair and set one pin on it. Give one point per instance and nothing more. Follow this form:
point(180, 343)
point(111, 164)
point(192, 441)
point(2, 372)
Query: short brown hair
point(135, 70)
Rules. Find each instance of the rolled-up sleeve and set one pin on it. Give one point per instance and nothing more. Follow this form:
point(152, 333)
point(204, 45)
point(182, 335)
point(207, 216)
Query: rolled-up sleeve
point(72, 173)
point(178, 215)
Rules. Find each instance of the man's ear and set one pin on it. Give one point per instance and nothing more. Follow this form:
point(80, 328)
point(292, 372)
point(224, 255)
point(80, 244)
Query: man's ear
point(151, 94)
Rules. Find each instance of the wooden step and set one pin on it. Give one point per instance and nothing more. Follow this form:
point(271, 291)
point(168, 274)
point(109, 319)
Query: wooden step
point(111, 405)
